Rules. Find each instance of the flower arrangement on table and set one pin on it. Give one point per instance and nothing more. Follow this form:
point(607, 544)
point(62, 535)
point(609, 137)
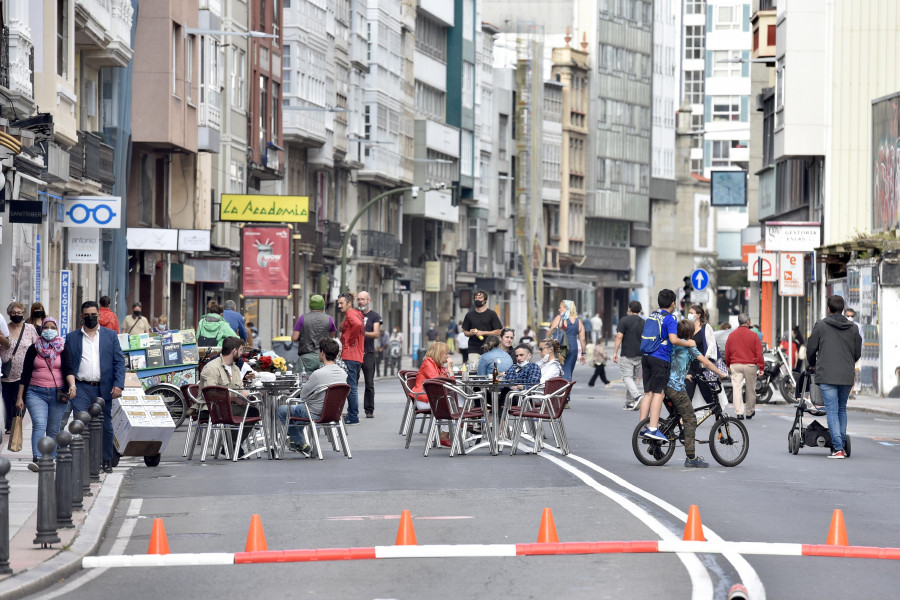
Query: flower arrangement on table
point(270, 364)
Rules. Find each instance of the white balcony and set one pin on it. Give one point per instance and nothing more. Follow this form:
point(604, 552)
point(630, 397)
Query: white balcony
point(103, 31)
point(304, 127)
point(386, 167)
point(15, 66)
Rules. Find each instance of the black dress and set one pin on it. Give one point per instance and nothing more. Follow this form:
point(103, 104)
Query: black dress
point(696, 370)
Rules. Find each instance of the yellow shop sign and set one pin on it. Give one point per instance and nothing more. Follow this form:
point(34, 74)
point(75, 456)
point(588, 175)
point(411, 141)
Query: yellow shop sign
point(261, 208)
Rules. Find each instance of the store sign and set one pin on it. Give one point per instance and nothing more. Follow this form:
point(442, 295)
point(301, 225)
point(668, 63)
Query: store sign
point(786, 236)
point(790, 274)
point(37, 268)
point(432, 276)
point(266, 262)
point(766, 267)
point(26, 211)
point(147, 238)
point(65, 301)
point(84, 246)
point(261, 208)
point(93, 211)
point(193, 240)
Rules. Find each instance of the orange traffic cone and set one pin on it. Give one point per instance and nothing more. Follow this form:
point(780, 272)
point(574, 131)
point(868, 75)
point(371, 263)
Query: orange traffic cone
point(547, 531)
point(406, 534)
point(837, 533)
point(256, 537)
point(158, 542)
point(693, 529)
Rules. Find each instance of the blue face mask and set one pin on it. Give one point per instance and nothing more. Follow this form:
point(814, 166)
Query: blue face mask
point(49, 334)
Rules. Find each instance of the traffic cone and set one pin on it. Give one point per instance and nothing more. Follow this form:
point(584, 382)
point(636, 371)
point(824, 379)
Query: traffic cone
point(693, 529)
point(837, 534)
point(547, 531)
point(406, 533)
point(256, 537)
point(158, 542)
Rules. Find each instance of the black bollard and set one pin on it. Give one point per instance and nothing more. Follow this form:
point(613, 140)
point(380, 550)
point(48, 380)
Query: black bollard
point(75, 428)
point(85, 419)
point(96, 412)
point(46, 500)
point(64, 481)
point(4, 517)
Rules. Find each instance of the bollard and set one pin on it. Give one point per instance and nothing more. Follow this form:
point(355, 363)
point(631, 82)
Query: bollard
point(4, 517)
point(85, 419)
point(46, 500)
point(96, 412)
point(64, 481)
point(75, 428)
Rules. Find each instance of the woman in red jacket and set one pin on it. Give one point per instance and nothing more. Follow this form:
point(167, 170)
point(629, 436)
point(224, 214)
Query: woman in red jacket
point(437, 363)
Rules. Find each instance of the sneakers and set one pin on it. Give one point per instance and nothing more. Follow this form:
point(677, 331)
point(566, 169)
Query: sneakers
point(637, 402)
point(740, 417)
point(347, 421)
point(838, 454)
point(370, 415)
point(643, 431)
point(628, 406)
point(697, 462)
point(654, 434)
point(305, 449)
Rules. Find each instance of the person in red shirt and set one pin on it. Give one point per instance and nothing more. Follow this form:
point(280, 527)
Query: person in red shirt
point(108, 318)
point(352, 346)
point(744, 357)
point(437, 363)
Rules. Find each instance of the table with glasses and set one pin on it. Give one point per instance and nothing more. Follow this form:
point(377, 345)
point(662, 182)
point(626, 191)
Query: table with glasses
point(492, 400)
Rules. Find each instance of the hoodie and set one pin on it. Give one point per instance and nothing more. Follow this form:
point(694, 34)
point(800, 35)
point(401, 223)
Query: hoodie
point(833, 348)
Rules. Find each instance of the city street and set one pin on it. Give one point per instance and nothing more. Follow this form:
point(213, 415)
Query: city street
point(598, 493)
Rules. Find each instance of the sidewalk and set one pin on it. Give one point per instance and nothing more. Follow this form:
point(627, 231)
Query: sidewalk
point(34, 568)
point(873, 404)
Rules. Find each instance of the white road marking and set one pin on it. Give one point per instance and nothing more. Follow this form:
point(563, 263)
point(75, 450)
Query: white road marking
point(746, 572)
point(118, 548)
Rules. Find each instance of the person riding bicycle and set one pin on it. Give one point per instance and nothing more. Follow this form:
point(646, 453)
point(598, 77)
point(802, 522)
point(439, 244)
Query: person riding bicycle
point(680, 361)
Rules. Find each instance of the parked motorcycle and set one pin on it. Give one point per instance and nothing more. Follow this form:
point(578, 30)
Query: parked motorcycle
point(776, 374)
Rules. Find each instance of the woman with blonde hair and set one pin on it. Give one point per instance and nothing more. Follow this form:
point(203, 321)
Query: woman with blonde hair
point(568, 326)
point(437, 363)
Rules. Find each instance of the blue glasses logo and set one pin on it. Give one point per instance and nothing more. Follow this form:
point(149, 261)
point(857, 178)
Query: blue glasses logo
point(80, 213)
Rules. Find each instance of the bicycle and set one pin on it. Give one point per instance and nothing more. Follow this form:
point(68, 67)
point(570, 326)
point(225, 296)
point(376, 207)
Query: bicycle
point(728, 442)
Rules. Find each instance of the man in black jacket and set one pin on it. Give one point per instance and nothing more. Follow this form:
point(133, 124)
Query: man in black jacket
point(832, 351)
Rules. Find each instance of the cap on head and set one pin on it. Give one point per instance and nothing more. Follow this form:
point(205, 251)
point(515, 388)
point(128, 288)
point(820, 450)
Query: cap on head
point(316, 302)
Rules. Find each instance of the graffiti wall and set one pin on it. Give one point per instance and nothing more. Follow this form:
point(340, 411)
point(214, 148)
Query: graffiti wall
point(886, 163)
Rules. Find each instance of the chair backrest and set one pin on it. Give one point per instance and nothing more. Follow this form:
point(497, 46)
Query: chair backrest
point(561, 396)
point(333, 405)
point(218, 404)
point(554, 384)
point(407, 380)
point(191, 393)
point(443, 405)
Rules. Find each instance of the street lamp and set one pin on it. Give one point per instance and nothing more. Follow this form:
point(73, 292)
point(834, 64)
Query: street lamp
point(415, 192)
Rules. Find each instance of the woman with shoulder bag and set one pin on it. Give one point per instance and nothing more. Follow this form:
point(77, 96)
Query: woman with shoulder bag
point(21, 337)
point(568, 330)
point(47, 367)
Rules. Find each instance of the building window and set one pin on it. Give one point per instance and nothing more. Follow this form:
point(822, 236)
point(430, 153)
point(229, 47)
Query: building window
point(694, 7)
point(502, 136)
point(236, 178)
point(468, 84)
point(720, 153)
point(697, 165)
point(779, 95)
point(262, 15)
point(189, 68)
point(429, 101)
point(62, 37)
point(238, 74)
point(273, 129)
point(431, 38)
point(726, 63)
point(726, 108)
point(466, 150)
point(608, 234)
point(442, 168)
point(553, 103)
point(175, 29)
point(693, 42)
point(728, 18)
point(552, 161)
point(263, 112)
point(693, 86)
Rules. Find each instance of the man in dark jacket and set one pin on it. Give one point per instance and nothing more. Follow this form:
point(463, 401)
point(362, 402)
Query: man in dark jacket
point(832, 351)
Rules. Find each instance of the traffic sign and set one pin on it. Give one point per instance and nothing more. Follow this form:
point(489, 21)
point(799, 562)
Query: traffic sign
point(700, 279)
point(790, 281)
point(768, 270)
point(701, 297)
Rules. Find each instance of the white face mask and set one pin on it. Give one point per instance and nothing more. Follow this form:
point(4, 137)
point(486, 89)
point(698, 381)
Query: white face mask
point(692, 317)
point(523, 362)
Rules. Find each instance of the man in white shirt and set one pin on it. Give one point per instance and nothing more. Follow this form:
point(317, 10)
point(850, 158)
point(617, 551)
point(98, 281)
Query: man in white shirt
point(596, 328)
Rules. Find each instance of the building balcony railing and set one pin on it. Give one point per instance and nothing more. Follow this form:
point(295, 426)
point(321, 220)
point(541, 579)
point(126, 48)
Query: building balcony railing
point(17, 65)
point(91, 159)
point(304, 127)
point(551, 258)
point(210, 114)
point(103, 29)
point(378, 244)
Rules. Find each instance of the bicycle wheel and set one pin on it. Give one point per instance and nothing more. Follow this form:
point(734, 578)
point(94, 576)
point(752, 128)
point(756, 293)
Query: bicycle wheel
point(729, 441)
point(651, 452)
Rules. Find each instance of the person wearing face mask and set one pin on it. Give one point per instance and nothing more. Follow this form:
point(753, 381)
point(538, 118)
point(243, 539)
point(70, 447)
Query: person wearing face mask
point(706, 345)
point(36, 317)
point(136, 323)
point(522, 375)
point(47, 383)
point(21, 337)
point(99, 367)
point(108, 318)
point(162, 324)
point(479, 323)
point(223, 371)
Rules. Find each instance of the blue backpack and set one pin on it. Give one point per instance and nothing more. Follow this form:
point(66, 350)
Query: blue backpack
point(652, 336)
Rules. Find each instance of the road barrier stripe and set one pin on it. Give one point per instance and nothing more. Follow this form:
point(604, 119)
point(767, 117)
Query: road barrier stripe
point(158, 560)
point(322, 554)
point(586, 548)
point(851, 551)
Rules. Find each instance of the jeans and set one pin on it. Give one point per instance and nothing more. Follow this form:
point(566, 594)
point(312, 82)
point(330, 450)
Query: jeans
point(46, 412)
point(629, 366)
point(368, 371)
point(353, 367)
point(82, 401)
point(835, 397)
point(295, 432)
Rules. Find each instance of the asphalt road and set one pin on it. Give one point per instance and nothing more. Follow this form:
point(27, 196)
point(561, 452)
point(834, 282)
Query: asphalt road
point(599, 492)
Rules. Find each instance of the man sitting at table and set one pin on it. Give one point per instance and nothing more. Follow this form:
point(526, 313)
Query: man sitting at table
point(224, 371)
point(313, 393)
point(521, 376)
point(493, 354)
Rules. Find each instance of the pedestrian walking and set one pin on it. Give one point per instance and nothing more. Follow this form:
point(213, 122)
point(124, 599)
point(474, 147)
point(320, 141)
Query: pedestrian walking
point(478, 323)
point(596, 327)
point(136, 323)
point(452, 330)
point(235, 319)
point(462, 343)
point(833, 348)
point(744, 359)
point(36, 316)
point(598, 359)
point(394, 351)
point(851, 316)
point(588, 329)
point(108, 318)
point(627, 352)
point(20, 337)
point(568, 330)
point(352, 352)
point(309, 329)
point(372, 322)
point(99, 370)
point(431, 335)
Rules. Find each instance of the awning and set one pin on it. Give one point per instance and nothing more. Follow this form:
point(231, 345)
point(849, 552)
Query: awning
point(620, 285)
point(568, 283)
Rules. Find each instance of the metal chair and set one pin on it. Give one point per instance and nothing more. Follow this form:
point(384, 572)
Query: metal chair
point(411, 412)
point(332, 409)
point(223, 420)
point(443, 397)
point(548, 407)
point(191, 393)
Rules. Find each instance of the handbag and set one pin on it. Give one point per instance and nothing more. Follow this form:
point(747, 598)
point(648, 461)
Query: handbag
point(15, 435)
point(61, 396)
point(7, 366)
point(559, 334)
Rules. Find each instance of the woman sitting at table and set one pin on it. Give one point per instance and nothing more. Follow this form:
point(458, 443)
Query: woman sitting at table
point(493, 354)
point(437, 363)
point(549, 364)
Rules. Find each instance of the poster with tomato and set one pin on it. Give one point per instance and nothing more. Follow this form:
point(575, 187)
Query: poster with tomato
point(266, 262)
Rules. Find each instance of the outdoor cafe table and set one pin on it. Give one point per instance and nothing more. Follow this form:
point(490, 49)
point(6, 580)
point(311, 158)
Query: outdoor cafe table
point(271, 392)
point(492, 396)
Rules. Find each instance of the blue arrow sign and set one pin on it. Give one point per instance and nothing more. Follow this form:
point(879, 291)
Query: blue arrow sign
point(700, 279)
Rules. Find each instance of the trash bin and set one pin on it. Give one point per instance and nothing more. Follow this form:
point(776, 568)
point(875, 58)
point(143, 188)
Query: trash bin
point(285, 348)
point(420, 356)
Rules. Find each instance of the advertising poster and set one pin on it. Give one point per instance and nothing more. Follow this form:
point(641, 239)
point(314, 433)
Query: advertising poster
point(84, 246)
point(265, 262)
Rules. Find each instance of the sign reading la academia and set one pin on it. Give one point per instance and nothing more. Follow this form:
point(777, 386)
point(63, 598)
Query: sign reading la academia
point(258, 207)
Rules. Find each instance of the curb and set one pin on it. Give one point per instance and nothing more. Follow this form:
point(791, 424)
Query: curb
point(874, 411)
point(68, 560)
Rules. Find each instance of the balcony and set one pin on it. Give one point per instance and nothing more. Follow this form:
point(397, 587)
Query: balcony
point(468, 261)
point(92, 160)
point(209, 119)
point(17, 70)
point(551, 258)
point(103, 31)
point(380, 247)
point(386, 167)
point(763, 25)
point(304, 128)
point(332, 239)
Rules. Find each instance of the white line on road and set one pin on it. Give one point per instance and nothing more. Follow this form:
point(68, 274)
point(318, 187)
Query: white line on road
point(118, 547)
point(745, 571)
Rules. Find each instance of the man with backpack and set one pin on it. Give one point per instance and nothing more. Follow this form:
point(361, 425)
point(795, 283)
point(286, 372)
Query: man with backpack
point(659, 336)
